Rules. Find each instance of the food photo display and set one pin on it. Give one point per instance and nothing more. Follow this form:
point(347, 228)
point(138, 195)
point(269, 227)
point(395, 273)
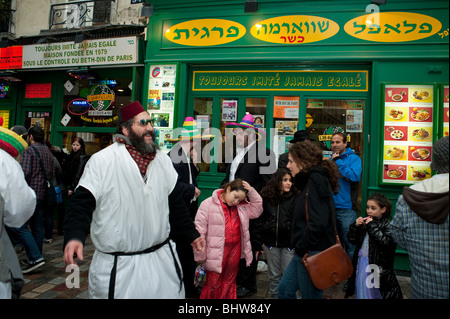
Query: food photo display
point(408, 133)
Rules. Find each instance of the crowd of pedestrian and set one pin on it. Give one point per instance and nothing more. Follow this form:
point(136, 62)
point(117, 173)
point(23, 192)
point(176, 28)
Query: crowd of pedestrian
point(141, 209)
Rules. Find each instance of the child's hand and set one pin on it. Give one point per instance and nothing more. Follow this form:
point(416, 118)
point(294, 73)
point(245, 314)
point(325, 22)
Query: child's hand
point(247, 186)
point(359, 221)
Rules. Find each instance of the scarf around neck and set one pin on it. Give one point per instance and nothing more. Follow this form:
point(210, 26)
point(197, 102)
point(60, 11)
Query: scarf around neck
point(142, 161)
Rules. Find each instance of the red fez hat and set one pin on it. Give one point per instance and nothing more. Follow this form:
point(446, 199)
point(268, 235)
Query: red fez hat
point(129, 111)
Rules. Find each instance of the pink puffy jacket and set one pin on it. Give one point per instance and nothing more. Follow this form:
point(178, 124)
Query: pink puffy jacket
point(210, 223)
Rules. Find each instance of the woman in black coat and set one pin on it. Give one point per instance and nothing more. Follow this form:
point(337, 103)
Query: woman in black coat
point(75, 164)
point(317, 179)
point(373, 262)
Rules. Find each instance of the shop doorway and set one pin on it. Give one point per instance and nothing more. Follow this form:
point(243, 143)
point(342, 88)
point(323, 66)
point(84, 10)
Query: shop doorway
point(39, 117)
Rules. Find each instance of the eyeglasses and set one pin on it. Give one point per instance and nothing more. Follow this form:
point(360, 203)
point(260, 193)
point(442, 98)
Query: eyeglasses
point(144, 122)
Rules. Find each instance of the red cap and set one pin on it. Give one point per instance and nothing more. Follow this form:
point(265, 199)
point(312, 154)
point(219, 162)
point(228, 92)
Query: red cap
point(129, 111)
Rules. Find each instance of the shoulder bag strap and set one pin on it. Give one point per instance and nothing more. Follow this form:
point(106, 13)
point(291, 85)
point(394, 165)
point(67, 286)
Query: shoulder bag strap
point(42, 165)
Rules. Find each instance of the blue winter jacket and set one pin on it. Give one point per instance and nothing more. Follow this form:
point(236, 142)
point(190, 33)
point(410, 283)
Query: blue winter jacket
point(349, 165)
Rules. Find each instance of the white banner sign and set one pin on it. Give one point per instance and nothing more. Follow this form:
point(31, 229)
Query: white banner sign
point(88, 53)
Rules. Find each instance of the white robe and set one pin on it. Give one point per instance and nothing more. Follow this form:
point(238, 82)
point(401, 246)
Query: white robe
point(130, 216)
point(20, 199)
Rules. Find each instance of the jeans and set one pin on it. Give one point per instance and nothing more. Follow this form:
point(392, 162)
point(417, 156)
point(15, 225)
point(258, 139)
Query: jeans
point(32, 241)
point(294, 278)
point(344, 218)
point(277, 261)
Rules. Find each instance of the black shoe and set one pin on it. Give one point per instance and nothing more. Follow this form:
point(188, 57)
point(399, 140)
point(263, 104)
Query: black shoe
point(242, 292)
point(33, 266)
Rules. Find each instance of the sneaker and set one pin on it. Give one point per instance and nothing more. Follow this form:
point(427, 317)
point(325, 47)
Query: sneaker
point(48, 241)
point(33, 266)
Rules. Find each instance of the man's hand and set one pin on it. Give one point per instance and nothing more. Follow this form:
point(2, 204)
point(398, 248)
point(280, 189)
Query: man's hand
point(199, 244)
point(73, 247)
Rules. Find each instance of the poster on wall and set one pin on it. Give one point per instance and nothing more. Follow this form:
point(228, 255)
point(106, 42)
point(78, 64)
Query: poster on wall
point(408, 133)
point(5, 115)
point(161, 101)
point(229, 111)
point(445, 130)
point(286, 107)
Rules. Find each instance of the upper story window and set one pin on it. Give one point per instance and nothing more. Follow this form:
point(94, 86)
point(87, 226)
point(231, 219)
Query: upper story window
point(71, 14)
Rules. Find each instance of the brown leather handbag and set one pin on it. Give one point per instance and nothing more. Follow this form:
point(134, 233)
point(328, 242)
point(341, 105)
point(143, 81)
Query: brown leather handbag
point(332, 265)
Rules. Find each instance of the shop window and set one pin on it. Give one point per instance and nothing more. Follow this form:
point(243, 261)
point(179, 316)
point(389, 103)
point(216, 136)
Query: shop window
point(203, 109)
point(326, 116)
point(285, 122)
point(228, 113)
point(256, 106)
point(42, 119)
point(94, 141)
point(89, 102)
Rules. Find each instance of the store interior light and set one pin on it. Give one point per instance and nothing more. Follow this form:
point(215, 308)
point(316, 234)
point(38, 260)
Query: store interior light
point(147, 10)
point(10, 76)
point(82, 74)
point(251, 6)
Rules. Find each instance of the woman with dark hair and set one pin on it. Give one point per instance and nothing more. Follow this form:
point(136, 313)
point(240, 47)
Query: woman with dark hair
point(273, 227)
point(313, 224)
point(75, 164)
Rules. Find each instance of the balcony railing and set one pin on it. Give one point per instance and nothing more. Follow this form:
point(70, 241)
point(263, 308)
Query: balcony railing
point(79, 14)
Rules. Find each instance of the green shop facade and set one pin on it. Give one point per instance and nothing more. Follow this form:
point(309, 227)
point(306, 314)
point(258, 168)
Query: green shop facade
point(378, 73)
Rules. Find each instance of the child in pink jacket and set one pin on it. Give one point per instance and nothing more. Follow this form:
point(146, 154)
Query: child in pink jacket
point(223, 221)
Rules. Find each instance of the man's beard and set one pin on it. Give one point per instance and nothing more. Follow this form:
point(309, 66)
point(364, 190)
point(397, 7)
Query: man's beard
point(140, 144)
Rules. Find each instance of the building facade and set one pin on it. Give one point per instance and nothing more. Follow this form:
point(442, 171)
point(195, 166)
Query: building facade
point(69, 65)
point(376, 70)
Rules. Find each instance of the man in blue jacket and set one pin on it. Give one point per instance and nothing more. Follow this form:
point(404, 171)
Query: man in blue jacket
point(349, 165)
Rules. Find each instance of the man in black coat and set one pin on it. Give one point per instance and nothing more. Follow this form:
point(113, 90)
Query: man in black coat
point(255, 164)
point(299, 136)
point(183, 159)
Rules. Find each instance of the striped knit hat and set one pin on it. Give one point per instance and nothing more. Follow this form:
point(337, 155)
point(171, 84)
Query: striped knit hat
point(189, 132)
point(246, 123)
point(11, 142)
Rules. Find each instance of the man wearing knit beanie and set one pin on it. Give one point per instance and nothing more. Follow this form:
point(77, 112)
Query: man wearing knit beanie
point(421, 227)
point(17, 205)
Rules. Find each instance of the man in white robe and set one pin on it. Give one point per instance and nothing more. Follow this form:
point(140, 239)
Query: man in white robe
point(128, 193)
point(17, 203)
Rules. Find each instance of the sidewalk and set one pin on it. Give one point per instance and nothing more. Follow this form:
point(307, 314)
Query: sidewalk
point(49, 282)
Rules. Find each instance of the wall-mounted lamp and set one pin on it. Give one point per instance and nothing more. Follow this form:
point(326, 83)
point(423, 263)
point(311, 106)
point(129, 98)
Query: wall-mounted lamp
point(147, 10)
point(251, 6)
point(79, 37)
point(378, 2)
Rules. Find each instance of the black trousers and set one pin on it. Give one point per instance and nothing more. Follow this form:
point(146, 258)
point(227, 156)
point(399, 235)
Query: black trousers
point(188, 265)
point(246, 276)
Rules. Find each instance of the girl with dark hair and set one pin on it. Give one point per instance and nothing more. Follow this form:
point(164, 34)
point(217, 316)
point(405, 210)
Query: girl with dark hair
point(312, 220)
point(75, 164)
point(223, 221)
point(373, 262)
point(273, 227)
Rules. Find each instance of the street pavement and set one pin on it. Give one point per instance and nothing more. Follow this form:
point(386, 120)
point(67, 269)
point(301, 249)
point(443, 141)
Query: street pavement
point(55, 281)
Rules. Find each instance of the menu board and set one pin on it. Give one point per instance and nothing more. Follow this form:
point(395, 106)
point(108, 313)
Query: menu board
point(408, 133)
point(161, 101)
point(446, 117)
